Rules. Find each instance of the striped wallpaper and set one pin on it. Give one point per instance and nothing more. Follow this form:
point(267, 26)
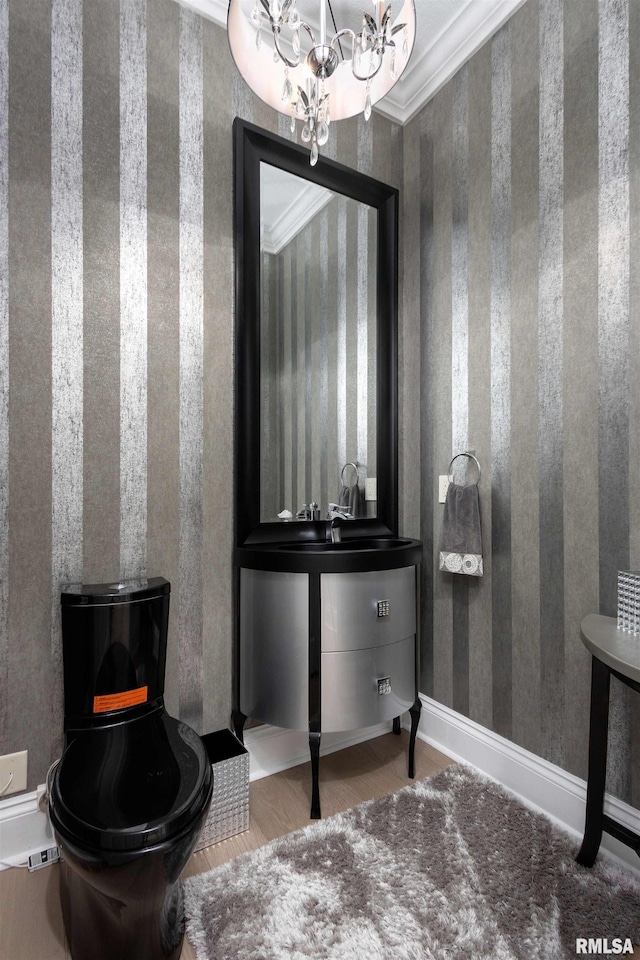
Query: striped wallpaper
point(522, 217)
point(109, 141)
point(116, 335)
point(318, 392)
point(519, 339)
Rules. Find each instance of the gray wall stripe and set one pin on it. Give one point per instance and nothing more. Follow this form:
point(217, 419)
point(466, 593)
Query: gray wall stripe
point(613, 338)
point(328, 482)
point(362, 346)
point(580, 348)
point(440, 318)
point(525, 537)
point(428, 466)
point(268, 376)
point(294, 347)
point(310, 333)
point(286, 451)
point(501, 378)
point(460, 362)
point(191, 366)
point(372, 348)
point(216, 665)
point(4, 362)
point(550, 383)
point(480, 616)
point(29, 643)
point(133, 289)
point(460, 266)
point(613, 289)
point(341, 346)
point(365, 339)
point(101, 275)
point(66, 315)
point(163, 298)
point(634, 346)
point(634, 278)
point(364, 133)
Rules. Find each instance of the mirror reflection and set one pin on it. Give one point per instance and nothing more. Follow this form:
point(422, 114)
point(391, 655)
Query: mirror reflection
point(317, 350)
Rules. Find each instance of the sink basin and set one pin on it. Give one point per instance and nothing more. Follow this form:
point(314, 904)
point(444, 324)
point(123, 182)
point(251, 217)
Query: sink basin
point(364, 543)
point(323, 556)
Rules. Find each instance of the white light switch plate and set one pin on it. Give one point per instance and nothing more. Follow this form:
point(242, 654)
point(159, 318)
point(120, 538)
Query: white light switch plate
point(442, 488)
point(371, 488)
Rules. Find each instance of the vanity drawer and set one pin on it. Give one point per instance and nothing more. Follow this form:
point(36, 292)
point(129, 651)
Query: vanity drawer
point(274, 647)
point(349, 608)
point(350, 688)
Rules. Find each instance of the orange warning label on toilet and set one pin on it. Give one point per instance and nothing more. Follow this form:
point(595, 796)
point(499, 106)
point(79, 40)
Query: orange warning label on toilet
point(118, 701)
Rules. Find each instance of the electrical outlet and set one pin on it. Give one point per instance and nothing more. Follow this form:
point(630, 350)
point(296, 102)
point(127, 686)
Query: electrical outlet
point(43, 859)
point(13, 773)
point(443, 486)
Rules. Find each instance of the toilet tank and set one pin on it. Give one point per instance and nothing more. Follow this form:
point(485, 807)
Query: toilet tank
point(114, 643)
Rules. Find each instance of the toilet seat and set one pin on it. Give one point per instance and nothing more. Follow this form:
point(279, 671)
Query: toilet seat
point(130, 785)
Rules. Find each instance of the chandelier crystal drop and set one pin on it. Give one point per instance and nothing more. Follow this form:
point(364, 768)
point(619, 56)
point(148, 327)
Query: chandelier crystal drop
point(296, 67)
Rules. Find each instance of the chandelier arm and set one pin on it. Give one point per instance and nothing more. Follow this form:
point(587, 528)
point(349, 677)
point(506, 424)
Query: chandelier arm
point(310, 32)
point(369, 76)
point(343, 33)
point(290, 63)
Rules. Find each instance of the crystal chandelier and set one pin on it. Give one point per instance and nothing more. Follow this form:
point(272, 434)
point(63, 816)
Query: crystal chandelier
point(296, 68)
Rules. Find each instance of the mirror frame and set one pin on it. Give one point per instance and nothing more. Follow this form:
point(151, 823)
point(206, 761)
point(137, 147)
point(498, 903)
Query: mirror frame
point(252, 146)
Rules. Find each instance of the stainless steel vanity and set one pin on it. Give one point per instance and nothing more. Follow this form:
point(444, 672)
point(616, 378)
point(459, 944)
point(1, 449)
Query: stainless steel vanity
point(327, 637)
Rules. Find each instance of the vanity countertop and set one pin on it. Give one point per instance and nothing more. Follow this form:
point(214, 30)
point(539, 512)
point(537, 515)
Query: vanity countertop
point(321, 556)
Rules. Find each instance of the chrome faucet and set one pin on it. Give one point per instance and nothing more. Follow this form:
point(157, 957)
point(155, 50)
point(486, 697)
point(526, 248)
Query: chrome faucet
point(333, 529)
point(334, 519)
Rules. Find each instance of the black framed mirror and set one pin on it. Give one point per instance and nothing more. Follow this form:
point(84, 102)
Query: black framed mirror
point(294, 439)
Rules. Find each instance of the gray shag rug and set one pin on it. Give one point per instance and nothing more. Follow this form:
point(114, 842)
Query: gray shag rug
point(451, 867)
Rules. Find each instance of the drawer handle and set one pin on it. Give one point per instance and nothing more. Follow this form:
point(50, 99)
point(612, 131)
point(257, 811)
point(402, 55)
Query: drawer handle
point(384, 686)
point(384, 608)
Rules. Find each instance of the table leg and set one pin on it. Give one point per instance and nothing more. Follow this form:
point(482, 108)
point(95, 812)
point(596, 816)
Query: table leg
point(598, 733)
point(314, 749)
point(414, 712)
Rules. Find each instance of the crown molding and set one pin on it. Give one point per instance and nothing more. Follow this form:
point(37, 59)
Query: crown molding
point(303, 204)
point(429, 70)
point(215, 10)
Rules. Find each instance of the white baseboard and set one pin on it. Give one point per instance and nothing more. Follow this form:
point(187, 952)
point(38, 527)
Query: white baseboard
point(540, 784)
point(272, 749)
point(24, 829)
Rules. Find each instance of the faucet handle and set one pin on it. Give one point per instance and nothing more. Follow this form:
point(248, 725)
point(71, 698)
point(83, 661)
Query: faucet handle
point(338, 512)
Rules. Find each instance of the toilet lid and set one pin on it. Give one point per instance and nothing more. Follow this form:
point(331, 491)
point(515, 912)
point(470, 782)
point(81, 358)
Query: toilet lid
point(130, 785)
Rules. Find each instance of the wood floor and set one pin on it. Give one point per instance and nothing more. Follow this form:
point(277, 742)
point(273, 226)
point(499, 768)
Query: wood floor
point(30, 919)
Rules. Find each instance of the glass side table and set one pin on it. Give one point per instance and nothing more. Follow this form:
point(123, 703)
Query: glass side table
point(613, 652)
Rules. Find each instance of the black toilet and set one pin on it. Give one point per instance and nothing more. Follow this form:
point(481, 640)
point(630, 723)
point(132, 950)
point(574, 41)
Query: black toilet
point(131, 792)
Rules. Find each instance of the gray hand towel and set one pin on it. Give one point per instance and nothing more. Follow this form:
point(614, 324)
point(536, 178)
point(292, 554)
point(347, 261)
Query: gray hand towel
point(461, 537)
point(351, 499)
point(343, 498)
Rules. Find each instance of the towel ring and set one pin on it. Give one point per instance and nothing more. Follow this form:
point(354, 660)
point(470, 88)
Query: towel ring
point(471, 457)
point(350, 464)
